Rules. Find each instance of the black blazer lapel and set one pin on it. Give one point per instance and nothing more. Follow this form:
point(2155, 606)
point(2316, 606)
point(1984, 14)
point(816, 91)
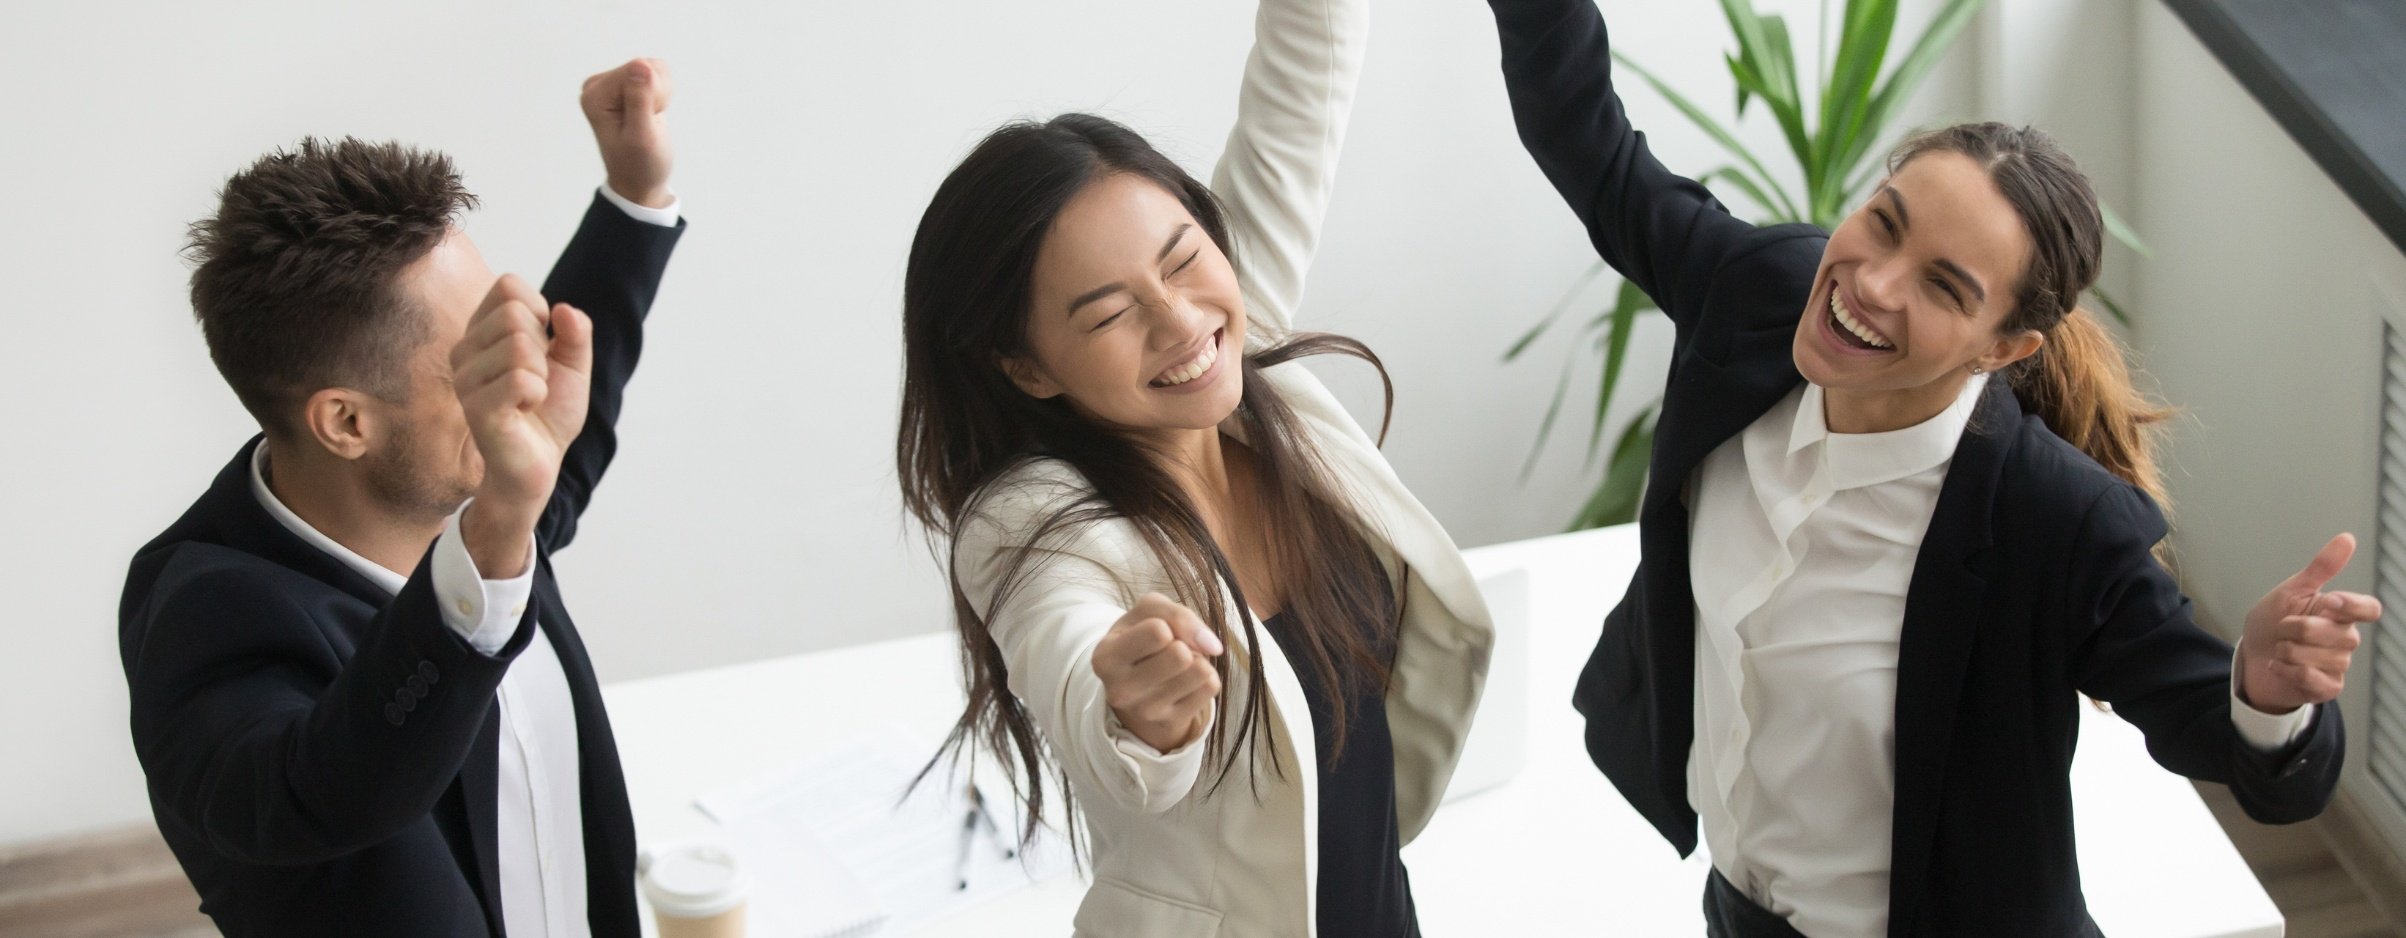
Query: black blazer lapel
point(1942, 611)
point(245, 525)
point(1705, 404)
point(608, 822)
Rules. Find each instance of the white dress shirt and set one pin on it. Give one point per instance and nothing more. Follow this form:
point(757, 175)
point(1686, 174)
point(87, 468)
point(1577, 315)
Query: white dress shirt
point(1801, 548)
point(539, 838)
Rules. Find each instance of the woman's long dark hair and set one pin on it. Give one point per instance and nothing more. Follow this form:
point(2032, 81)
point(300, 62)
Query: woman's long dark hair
point(965, 425)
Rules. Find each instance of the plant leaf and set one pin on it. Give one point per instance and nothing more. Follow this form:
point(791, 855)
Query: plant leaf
point(1712, 128)
point(1520, 345)
point(1821, 46)
point(1780, 59)
point(1765, 66)
point(1910, 71)
point(1846, 101)
point(1745, 80)
point(2111, 307)
point(1737, 179)
point(1624, 312)
point(2114, 225)
point(1779, 56)
point(1615, 499)
point(1545, 428)
point(1747, 27)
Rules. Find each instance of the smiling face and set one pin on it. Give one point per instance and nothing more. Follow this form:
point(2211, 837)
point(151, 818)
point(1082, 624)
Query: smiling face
point(1914, 286)
point(1134, 316)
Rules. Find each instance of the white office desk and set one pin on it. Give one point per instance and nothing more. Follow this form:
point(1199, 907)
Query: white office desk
point(1555, 851)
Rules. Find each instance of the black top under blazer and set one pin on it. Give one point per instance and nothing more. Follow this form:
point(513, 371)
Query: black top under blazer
point(2034, 584)
point(321, 755)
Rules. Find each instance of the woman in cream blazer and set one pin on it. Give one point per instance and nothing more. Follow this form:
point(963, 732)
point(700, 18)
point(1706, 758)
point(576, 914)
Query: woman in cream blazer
point(1173, 852)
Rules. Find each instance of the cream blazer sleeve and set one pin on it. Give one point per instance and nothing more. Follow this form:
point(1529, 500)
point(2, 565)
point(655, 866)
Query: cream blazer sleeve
point(1076, 584)
point(1280, 165)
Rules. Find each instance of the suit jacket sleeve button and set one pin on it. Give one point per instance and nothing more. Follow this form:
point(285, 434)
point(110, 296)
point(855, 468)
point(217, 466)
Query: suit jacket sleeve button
point(403, 700)
point(417, 686)
point(393, 714)
point(426, 670)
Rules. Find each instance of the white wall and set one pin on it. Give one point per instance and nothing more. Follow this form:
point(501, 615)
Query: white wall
point(2262, 323)
point(2066, 66)
point(753, 511)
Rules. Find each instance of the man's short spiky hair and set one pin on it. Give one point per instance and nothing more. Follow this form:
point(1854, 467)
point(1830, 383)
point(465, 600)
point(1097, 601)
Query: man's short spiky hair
point(295, 280)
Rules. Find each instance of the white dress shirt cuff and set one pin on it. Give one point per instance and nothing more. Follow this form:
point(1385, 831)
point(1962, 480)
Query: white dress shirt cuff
point(485, 612)
point(2265, 731)
point(664, 217)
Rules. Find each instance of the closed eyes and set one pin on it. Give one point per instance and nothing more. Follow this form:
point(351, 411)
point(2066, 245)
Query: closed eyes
point(1174, 271)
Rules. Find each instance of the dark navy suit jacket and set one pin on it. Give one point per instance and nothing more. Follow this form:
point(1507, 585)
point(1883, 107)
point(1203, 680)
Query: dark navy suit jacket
point(322, 755)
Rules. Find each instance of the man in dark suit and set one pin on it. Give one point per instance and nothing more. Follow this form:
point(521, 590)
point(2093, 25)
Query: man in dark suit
point(361, 705)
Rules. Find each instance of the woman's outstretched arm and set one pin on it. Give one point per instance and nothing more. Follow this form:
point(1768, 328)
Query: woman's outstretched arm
point(1280, 165)
point(1661, 230)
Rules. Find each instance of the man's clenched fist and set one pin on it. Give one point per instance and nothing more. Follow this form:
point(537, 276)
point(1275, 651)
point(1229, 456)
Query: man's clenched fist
point(627, 107)
point(523, 372)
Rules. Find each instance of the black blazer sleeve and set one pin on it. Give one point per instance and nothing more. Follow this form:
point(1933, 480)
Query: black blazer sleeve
point(256, 736)
point(1663, 231)
point(2147, 657)
point(611, 269)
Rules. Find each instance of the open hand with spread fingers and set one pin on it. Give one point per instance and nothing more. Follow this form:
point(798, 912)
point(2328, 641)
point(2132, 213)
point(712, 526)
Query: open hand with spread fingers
point(1157, 673)
point(2298, 641)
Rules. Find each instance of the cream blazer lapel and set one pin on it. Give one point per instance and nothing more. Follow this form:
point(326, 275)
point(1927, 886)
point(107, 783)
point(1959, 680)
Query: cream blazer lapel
point(1447, 635)
point(1298, 749)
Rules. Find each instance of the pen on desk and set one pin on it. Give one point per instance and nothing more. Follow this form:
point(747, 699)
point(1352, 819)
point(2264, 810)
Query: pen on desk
point(977, 806)
point(960, 864)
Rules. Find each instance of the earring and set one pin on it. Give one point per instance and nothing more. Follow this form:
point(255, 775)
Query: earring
point(1976, 369)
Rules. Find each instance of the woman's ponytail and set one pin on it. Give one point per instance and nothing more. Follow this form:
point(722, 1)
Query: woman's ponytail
point(2079, 383)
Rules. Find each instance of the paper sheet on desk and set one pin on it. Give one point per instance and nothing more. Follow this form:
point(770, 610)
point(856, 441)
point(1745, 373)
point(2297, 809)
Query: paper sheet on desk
point(850, 803)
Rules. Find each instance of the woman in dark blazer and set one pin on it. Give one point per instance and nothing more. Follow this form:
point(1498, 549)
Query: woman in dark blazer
point(1903, 515)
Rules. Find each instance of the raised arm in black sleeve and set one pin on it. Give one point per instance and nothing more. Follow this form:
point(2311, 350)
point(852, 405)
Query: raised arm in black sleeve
point(2147, 657)
point(1661, 230)
point(611, 270)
